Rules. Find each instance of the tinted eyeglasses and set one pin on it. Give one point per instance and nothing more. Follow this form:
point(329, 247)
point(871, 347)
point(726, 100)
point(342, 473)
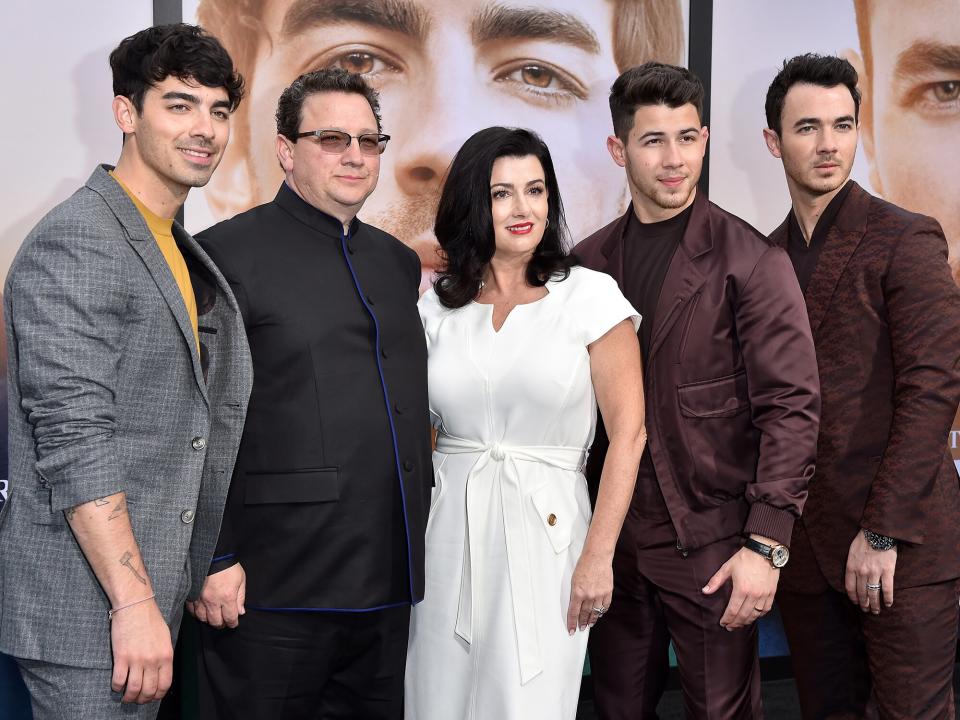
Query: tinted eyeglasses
point(337, 141)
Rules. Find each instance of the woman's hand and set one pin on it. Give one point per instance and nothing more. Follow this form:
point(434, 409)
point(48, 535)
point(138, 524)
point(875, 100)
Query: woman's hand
point(591, 591)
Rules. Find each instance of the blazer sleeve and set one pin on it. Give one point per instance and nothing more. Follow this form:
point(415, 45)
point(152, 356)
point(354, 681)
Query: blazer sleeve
point(922, 306)
point(68, 301)
point(227, 552)
point(784, 390)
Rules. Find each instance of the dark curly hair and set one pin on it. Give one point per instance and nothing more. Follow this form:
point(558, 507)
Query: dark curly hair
point(464, 225)
point(184, 51)
point(290, 105)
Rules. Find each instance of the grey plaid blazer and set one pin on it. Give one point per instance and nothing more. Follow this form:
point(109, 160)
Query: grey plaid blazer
point(107, 393)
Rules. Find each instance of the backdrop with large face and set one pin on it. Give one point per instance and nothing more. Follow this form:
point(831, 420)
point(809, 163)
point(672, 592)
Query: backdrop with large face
point(444, 69)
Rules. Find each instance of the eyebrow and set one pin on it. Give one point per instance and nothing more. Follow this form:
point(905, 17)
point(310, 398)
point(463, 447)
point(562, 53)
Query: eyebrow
point(923, 56)
point(498, 22)
point(661, 133)
point(175, 95)
point(818, 122)
point(187, 97)
point(511, 186)
point(401, 16)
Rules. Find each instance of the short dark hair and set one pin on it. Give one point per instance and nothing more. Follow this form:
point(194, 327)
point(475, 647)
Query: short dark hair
point(653, 83)
point(184, 51)
point(464, 226)
point(290, 105)
point(824, 70)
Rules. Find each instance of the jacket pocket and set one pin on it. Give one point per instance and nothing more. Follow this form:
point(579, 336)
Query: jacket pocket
point(557, 514)
point(309, 485)
point(718, 398)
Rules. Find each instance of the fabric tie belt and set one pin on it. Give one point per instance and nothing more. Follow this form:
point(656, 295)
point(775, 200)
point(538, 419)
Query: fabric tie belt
point(497, 464)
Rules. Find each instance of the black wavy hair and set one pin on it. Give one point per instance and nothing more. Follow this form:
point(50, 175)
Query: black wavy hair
point(464, 225)
point(184, 51)
point(824, 70)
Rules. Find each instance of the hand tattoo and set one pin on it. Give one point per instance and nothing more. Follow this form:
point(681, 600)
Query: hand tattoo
point(126, 560)
point(69, 513)
point(100, 502)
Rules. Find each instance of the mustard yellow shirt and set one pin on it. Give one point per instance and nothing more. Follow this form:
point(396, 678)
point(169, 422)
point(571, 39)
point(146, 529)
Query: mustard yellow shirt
point(162, 231)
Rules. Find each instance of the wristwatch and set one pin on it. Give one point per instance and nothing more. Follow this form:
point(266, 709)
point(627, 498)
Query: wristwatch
point(778, 555)
point(878, 541)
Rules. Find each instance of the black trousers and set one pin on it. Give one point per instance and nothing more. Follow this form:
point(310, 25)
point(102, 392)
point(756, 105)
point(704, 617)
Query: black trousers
point(306, 666)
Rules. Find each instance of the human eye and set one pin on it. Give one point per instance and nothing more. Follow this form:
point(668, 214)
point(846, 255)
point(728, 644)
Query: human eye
point(936, 98)
point(373, 64)
point(331, 140)
point(541, 83)
point(536, 190)
point(221, 114)
point(179, 107)
point(369, 143)
point(499, 194)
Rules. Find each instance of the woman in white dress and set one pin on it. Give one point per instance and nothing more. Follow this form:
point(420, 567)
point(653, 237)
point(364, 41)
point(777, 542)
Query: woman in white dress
point(523, 345)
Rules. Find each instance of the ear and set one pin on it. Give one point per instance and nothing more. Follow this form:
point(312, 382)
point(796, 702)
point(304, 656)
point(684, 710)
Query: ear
point(705, 135)
point(616, 150)
point(866, 116)
point(772, 140)
point(285, 153)
point(125, 114)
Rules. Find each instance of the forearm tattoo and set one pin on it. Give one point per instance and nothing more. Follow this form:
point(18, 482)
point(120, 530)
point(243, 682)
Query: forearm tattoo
point(118, 510)
point(127, 559)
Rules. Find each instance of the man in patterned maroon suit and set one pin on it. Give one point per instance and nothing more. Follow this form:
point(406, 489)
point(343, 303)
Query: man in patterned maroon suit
point(869, 600)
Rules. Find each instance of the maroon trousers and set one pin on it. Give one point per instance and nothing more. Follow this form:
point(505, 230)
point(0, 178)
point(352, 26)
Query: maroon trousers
point(849, 665)
point(657, 597)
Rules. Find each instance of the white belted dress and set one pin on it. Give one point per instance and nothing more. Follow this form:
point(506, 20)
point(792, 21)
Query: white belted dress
point(515, 413)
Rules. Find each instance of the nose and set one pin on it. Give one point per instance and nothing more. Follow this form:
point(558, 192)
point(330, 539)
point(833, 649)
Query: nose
point(672, 157)
point(521, 203)
point(828, 141)
point(352, 155)
point(203, 125)
point(454, 110)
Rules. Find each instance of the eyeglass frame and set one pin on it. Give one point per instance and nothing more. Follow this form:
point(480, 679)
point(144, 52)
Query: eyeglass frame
point(381, 138)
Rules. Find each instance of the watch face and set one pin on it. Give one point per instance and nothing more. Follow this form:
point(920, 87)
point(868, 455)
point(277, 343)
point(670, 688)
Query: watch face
point(779, 556)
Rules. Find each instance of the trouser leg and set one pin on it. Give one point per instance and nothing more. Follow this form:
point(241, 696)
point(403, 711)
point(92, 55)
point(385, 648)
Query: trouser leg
point(60, 692)
point(368, 682)
point(719, 669)
point(910, 650)
point(629, 661)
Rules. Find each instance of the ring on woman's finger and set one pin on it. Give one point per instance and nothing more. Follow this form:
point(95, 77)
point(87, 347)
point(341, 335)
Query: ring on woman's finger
point(600, 610)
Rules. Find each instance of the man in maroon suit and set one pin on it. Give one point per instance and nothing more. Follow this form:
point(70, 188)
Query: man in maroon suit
point(869, 600)
point(732, 405)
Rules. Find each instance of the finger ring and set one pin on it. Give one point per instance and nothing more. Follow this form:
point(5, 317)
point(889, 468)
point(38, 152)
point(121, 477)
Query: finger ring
point(600, 610)
point(872, 586)
point(759, 610)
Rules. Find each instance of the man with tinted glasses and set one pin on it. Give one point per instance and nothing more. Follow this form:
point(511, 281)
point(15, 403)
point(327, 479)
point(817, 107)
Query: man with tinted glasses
point(321, 549)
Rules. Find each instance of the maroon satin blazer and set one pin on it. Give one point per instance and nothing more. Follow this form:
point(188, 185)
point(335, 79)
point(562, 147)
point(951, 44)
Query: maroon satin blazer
point(884, 313)
point(732, 403)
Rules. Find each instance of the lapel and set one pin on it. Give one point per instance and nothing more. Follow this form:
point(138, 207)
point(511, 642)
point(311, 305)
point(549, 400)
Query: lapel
point(842, 240)
point(142, 242)
point(683, 278)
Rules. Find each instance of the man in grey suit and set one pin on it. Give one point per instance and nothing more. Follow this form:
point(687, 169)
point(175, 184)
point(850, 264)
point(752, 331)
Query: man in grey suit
point(129, 376)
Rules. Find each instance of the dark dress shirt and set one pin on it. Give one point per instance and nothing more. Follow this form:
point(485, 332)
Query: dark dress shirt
point(648, 250)
point(804, 257)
